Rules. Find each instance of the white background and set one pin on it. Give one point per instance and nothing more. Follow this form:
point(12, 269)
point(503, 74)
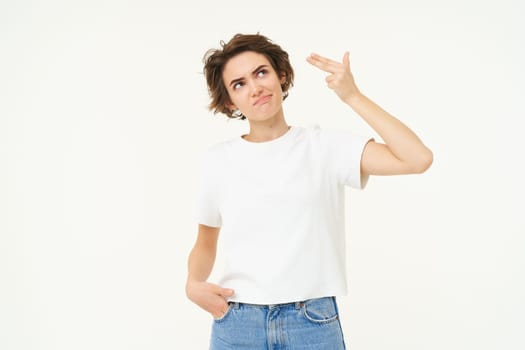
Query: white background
point(103, 119)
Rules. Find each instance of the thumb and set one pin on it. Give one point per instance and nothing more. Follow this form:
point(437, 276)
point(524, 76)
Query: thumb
point(226, 292)
point(346, 59)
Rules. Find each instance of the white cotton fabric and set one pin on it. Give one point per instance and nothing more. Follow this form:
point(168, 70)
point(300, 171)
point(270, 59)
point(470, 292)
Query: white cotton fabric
point(280, 207)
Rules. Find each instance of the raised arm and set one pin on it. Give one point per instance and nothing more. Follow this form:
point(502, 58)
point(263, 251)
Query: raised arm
point(403, 152)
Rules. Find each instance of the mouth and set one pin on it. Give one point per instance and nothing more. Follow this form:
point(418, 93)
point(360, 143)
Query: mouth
point(262, 100)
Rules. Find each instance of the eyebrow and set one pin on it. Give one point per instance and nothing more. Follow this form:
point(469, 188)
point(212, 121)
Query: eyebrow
point(253, 73)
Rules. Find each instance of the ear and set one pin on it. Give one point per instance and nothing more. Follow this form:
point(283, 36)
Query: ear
point(230, 106)
point(283, 78)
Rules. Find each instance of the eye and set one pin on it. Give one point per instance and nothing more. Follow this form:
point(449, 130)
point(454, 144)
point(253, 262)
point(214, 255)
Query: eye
point(237, 86)
point(262, 73)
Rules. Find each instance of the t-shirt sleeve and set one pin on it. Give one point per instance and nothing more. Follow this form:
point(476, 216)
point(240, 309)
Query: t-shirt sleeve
point(207, 204)
point(345, 150)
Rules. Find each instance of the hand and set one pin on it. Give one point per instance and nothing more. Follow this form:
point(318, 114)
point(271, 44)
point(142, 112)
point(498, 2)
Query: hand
point(210, 297)
point(340, 79)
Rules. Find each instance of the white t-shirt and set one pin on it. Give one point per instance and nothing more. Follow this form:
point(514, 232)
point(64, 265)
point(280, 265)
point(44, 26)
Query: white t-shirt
point(280, 206)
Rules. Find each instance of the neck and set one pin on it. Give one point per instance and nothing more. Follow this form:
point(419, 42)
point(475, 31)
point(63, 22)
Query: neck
point(267, 130)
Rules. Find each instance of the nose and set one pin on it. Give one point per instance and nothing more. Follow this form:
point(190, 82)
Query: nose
point(255, 88)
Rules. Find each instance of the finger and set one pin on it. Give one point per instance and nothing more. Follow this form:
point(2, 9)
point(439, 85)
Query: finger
point(226, 307)
point(324, 59)
point(221, 310)
point(330, 78)
point(218, 315)
point(346, 59)
point(217, 289)
point(327, 66)
point(225, 292)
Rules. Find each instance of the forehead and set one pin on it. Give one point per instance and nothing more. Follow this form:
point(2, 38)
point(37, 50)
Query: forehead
point(243, 64)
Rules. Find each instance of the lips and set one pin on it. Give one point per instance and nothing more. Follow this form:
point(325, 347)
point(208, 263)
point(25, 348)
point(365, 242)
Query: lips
point(262, 100)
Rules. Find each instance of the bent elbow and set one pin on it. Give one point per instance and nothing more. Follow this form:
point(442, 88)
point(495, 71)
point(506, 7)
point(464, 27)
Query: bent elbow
point(424, 162)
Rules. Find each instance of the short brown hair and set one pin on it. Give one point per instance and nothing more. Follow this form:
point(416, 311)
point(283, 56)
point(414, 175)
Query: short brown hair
point(215, 59)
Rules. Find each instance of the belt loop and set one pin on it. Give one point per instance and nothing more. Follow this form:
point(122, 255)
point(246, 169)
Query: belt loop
point(298, 305)
point(236, 305)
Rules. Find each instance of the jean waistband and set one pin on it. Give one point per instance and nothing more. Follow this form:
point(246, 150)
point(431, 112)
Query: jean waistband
point(297, 304)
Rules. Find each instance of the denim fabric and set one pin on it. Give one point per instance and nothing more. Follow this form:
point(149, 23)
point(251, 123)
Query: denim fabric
point(309, 324)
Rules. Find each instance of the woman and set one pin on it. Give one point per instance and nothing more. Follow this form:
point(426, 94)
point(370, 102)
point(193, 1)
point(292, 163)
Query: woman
point(277, 196)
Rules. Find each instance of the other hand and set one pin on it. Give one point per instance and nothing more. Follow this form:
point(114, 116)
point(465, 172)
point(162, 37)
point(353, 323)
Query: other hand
point(210, 297)
point(340, 79)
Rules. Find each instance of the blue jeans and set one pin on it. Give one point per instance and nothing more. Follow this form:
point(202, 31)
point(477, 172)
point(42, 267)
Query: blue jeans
point(309, 324)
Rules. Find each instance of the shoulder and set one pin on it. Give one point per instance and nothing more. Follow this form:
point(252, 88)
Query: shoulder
point(221, 146)
point(331, 135)
point(218, 151)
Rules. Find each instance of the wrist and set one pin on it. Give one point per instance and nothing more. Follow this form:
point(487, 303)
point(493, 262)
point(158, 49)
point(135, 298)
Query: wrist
point(354, 99)
point(192, 281)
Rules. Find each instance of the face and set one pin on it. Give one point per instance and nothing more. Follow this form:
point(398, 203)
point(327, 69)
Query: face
point(253, 86)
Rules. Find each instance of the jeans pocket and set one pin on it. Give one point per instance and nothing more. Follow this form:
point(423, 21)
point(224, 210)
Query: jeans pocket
point(223, 317)
point(320, 310)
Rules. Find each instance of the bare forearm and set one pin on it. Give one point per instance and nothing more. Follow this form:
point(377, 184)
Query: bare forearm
point(200, 263)
point(211, 297)
point(401, 141)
